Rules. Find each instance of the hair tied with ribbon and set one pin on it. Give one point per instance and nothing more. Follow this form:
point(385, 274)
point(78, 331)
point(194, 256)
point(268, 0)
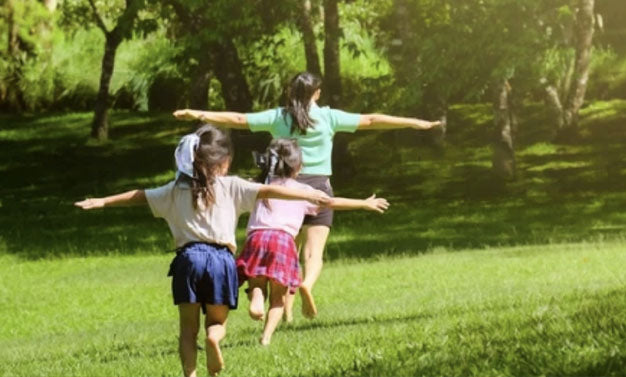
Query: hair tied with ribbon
point(266, 162)
point(185, 154)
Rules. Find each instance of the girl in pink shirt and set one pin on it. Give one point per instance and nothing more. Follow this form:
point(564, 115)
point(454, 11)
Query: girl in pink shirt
point(270, 256)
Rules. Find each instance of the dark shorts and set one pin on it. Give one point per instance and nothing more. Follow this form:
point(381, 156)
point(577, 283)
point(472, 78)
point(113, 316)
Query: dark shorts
point(322, 183)
point(206, 274)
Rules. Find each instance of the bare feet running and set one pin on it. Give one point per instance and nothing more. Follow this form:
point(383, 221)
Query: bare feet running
point(214, 359)
point(308, 304)
point(264, 342)
point(257, 304)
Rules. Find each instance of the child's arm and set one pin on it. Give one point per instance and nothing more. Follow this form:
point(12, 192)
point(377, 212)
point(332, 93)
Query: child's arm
point(388, 122)
point(281, 192)
point(370, 204)
point(129, 198)
point(226, 119)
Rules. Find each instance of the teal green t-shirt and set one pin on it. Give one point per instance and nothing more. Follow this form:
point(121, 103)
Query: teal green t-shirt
point(317, 143)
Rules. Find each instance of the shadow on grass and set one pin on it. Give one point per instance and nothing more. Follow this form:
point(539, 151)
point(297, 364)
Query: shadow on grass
point(445, 198)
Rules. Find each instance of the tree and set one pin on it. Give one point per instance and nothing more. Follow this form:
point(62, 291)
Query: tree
point(305, 24)
point(332, 69)
point(567, 96)
point(113, 38)
point(446, 51)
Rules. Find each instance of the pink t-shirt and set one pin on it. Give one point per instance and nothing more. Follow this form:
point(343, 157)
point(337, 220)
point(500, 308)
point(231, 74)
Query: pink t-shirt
point(286, 215)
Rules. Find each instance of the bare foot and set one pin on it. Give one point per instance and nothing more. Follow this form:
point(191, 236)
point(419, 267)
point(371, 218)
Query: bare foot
point(308, 304)
point(257, 304)
point(264, 341)
point(214, 359)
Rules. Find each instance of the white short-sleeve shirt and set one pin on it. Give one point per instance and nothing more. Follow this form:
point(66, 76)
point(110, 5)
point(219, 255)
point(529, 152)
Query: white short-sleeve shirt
point(217, 224)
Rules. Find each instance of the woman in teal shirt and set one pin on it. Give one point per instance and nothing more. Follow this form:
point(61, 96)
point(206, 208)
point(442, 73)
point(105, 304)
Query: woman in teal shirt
point(314, 127)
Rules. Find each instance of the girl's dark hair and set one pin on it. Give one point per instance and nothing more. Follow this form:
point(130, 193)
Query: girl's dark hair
point(298, 100)
point(283, 158)
point(213, 149)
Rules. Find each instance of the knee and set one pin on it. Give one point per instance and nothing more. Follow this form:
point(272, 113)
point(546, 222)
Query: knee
point(189, 333)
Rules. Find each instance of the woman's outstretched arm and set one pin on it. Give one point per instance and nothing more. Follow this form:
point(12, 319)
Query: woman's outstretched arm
point(226, 119)
point(128, 198)
point(388, 122)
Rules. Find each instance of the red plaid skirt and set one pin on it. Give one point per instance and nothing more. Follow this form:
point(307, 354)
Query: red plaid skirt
point(271, 253)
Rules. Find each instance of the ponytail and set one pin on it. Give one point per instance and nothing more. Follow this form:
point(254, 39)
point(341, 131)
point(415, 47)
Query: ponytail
point(210, 150)
point(298, 103)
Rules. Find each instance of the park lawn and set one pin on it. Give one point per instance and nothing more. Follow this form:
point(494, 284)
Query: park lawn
point(528, 310)
point(464, 275)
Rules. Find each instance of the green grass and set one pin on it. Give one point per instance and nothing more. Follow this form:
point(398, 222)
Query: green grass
point(464, 275)
point(539, 310)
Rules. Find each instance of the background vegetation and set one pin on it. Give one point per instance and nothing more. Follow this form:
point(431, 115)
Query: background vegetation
point(501, 253)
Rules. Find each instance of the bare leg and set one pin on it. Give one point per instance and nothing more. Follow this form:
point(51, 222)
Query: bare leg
point(291, 298)
point(189, 320)
point(215, 324)
point(257, 293)
point(277, 306)
point(316, 236)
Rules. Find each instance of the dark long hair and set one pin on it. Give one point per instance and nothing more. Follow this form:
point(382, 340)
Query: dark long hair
point(213, 150)
point(298, 94)
point(282, 159)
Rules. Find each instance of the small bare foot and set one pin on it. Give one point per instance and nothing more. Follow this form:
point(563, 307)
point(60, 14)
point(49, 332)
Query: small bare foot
point(257, 305)
point(214, 359)
point(264, 341)
point(308, 304)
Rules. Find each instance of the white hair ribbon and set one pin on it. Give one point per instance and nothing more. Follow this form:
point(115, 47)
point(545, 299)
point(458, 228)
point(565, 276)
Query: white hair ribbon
point(185, 153)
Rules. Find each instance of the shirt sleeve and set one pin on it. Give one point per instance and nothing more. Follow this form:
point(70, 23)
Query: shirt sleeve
point(244, 194)
point(160, 199)
point(263, 120)
point(342, 121)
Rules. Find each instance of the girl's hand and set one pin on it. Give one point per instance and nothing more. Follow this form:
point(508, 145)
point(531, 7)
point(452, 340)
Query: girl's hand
point(90, 203)
point(187, 114)
point(376, 204)
point(320, 198)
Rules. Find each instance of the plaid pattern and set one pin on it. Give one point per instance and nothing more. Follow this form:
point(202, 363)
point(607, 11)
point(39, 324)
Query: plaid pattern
point(270, 253)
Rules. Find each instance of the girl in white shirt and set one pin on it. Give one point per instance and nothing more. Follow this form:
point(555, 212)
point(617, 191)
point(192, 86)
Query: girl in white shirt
point(201, 208)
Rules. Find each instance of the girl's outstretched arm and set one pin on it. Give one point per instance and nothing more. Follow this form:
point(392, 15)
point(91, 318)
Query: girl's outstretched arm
point(226, 119)
point(370, 204)
point(281, 192)
point(388, 122)
point(128, 198)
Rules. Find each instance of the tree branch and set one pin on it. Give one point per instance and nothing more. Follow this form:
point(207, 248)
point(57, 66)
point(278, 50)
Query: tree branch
point(99, 20)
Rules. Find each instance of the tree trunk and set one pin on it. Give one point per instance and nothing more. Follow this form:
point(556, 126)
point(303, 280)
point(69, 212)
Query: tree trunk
point(584, 38)
point(503, 152)
point(556, 107)
point(200, 81)
point(308, 37)
point(332, 76)
point(100, 125)
point(13, 93)
point(229, 71)
point(113, 38)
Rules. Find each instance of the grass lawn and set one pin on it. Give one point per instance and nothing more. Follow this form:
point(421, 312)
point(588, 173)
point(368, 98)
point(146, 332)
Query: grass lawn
point(533, 310)
point(464, 275)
